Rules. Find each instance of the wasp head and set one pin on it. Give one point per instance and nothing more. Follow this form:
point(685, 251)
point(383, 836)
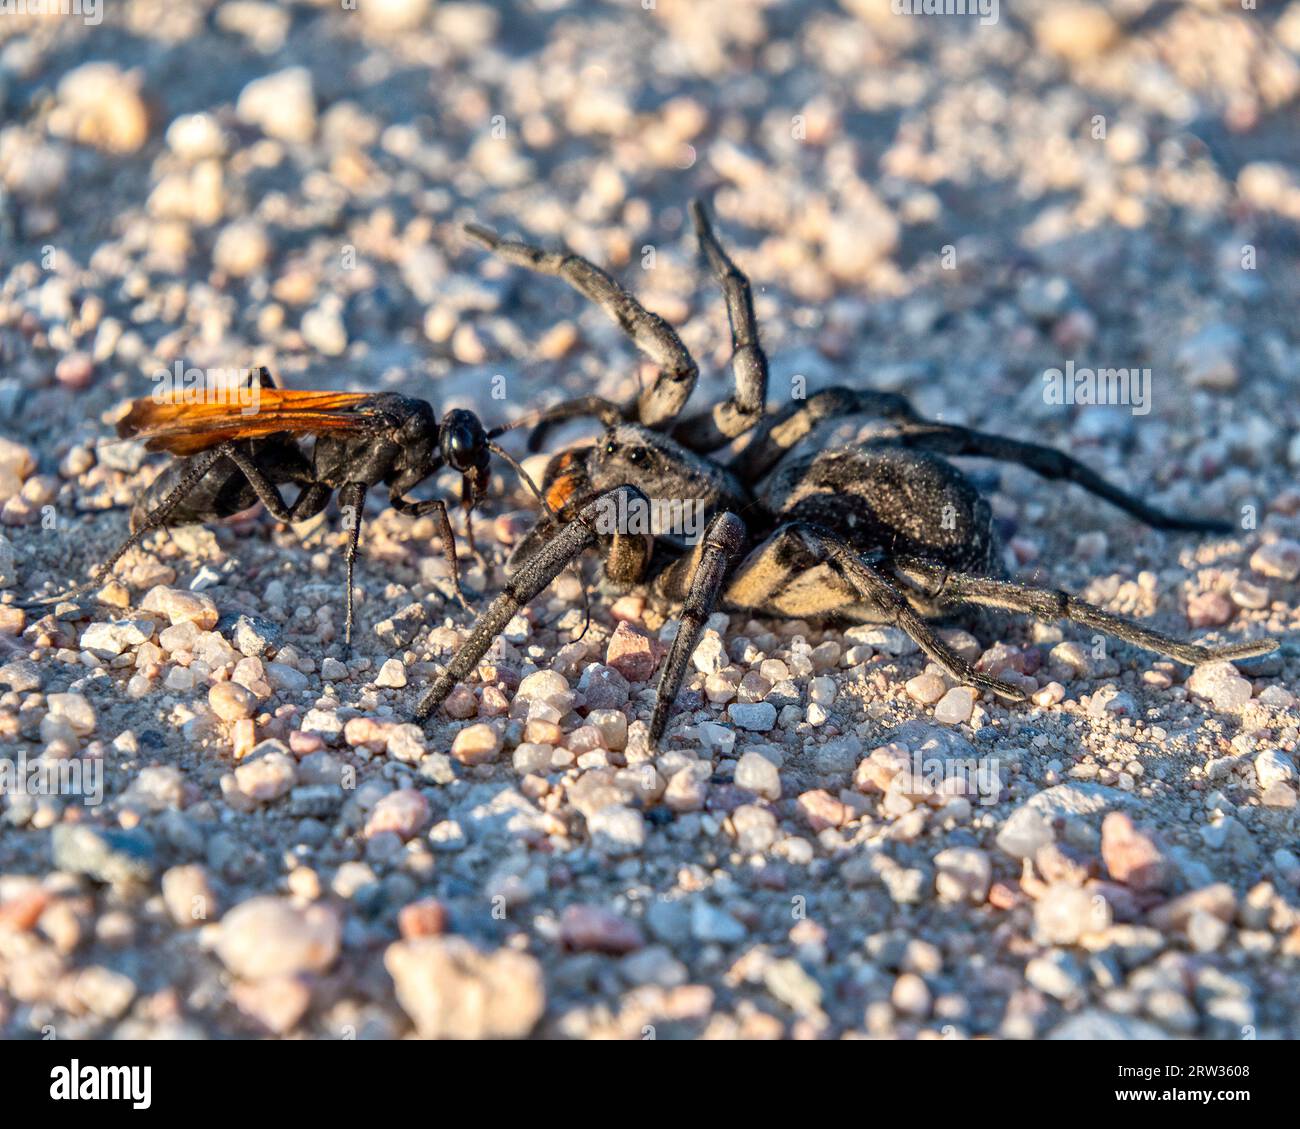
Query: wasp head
point(464, 447)
point(463, 441)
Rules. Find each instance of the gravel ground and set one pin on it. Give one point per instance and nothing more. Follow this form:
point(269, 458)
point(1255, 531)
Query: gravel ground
point(834, 841)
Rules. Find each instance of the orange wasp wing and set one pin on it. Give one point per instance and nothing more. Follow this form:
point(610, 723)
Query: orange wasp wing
point(185, 429)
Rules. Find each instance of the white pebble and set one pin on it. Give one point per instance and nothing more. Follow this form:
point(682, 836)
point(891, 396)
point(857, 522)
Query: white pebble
point(392, 675)
point(955, 707)
point(755, 773)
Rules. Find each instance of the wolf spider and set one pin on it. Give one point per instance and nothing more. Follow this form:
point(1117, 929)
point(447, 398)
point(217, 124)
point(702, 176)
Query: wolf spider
point(881, 531)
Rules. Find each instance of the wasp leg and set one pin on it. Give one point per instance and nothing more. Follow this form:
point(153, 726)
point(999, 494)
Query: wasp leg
point(437, 508)
point(309, 502)
point(197, 467)
point(314, 497)
point(467, 506)
point(352, 501)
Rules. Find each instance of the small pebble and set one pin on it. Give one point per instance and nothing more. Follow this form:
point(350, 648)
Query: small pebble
point(1132, 856)
point(1273, 766)
point(617, 830)
point(242, 249)
point(758, 717)
point(391, 675)
point(404, 812)
point(631, 653)
point(269, 936)
point(189, 897)
point(267, 777)
point(180, 606)
point(955, 707)
point(282, 105)
point(476, 744)
point(591, 929)
point(231, 701)
point(1279, 560)
point(756, 773)
point(453, 990)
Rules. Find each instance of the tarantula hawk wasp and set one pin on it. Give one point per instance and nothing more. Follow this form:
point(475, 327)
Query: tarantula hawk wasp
point(230, 457)
point(881, 531)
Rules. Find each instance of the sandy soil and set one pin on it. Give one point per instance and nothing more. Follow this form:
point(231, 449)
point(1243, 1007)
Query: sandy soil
point(925, 204)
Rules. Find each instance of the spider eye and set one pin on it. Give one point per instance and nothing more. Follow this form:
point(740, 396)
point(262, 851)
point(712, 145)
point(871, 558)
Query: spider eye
point(636, 456)
point(610, 448)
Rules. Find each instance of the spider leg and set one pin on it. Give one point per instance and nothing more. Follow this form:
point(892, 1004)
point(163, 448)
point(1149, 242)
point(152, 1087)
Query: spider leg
point(768, 578)
point(950, 439)
point(572, 539)
point(649, 332)
point(713, 429)
point(884, 591)
point(778, 433)
point(708, 567)
point(1049, 605)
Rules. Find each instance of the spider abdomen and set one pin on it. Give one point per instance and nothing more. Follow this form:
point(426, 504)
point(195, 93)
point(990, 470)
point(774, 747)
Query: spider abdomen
point(899, 502)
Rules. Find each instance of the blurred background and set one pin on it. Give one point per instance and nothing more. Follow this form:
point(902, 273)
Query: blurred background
point(943, 204)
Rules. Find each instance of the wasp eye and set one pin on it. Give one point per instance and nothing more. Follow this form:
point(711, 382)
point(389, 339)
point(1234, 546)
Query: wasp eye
point(463, 441)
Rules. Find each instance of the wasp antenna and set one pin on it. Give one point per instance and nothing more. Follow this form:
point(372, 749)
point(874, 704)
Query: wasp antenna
point(524, 477)
point(528, 481)
point(528, 419)
point(484, 236)
point(595, 407)
point(522, 421)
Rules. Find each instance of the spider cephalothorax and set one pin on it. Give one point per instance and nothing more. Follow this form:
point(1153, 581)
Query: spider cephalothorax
point(885, 530)
point(679, 484)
